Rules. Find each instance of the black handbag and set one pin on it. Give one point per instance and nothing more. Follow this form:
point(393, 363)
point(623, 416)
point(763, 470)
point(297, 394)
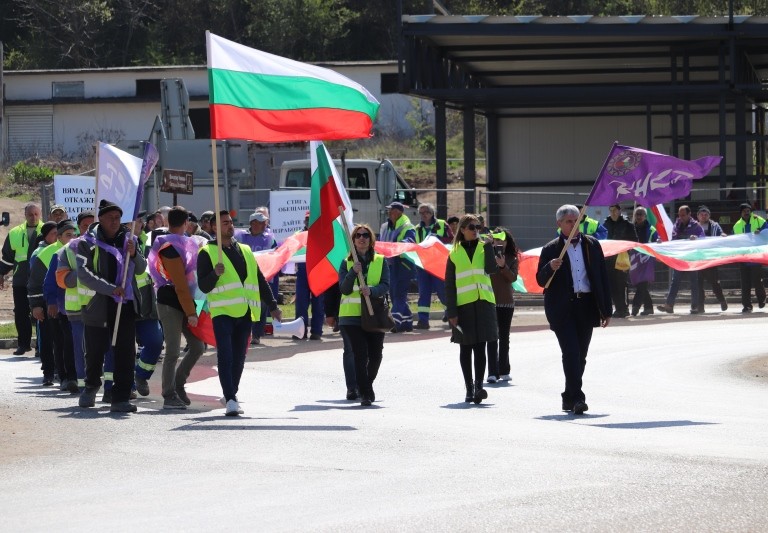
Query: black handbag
point(381, 320)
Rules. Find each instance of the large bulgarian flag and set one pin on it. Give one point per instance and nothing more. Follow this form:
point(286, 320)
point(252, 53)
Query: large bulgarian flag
point(327, 240)
point(263, 97)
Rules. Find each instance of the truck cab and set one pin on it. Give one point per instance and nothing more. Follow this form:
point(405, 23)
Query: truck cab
point(371, 185)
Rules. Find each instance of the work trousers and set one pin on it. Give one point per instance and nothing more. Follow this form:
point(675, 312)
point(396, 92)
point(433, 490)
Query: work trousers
point(498, 351)
point(98, 341)
point(63, 348)
point(45, 334)
point(710, 275)
point(22, 317)
point(642, 298)
point(78, 344)
point(427, 285)
point(150, 337)
point(231, 346)
point(400, 276)
point(305, 299)
point(367, 348)
point(174, 326)
point(618, 282)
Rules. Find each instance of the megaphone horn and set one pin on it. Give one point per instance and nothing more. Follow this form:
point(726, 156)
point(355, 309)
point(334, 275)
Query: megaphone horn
point(294, 328)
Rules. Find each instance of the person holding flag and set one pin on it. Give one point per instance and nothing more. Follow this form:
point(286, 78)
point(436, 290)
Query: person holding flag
point(750, 273)
point(228, 273)
point(686, 227)
point(100, 258)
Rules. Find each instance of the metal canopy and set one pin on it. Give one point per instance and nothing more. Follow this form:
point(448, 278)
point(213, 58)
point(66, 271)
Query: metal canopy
point(501, 66)
point(501, 63)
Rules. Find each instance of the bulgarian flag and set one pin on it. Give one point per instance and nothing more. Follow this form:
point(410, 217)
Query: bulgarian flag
point(267, 98)
point(327, 240)
point(657, 216)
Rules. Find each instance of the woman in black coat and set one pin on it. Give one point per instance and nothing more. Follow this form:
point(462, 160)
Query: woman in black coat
point(471, 305)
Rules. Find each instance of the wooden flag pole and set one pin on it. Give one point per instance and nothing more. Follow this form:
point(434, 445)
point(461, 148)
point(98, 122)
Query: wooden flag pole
point(123, 278)
point(568, 242)
point(216, 201)
point(360, 278)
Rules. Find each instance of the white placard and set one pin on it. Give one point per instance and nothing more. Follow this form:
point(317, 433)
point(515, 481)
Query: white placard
point(75, 193)
point(286, 212)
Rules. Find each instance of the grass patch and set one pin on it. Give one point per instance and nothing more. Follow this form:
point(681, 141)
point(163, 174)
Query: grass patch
point(8, 331)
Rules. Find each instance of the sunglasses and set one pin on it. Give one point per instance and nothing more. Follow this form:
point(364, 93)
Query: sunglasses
point(473, 227)
point(362, 235)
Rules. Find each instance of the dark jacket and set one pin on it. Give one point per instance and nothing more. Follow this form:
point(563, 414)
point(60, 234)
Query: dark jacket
point(477, 319)
point(560, 290)
point(503, 279)
point(101, 277)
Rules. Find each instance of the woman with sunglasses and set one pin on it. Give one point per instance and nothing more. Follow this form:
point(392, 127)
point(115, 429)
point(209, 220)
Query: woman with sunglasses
point(366, 346)
point(471, 304)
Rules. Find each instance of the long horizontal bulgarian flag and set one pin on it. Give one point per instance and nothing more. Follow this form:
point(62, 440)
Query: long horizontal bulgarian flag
point(263, 97)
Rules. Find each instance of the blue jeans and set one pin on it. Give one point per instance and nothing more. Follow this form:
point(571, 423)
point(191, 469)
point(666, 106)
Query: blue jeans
point(677, 277)
point(427, 285)
point(304, 298)
point(150, 336)
point(231, 346)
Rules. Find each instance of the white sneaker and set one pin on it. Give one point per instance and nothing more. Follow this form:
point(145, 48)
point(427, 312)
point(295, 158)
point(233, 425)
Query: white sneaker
point(491, 379)
point(505, 377)
point(233, 408)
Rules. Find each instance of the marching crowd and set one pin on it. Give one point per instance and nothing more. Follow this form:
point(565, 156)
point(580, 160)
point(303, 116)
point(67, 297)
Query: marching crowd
point(95, 288)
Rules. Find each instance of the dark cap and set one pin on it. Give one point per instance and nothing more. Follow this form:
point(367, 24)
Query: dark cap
point(47, 228)
point(617, 206)
point(703, 208)
point(105, 206)
point(207, 215)
point(83, 215)
point(140, 214)
point(744, 206)
point(396, 205)
point(192, 218)
point(64, 225)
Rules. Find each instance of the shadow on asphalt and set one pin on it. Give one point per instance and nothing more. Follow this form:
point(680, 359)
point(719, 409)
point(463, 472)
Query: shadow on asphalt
point(467, 405)
point(569, 417)
point(347, 405)
point(651, 424)
point(235, 423)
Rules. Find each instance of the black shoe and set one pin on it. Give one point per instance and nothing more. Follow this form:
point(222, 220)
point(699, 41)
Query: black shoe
point(647, 312)
point(480, 393)
point(723, 306)
point(567, 405)
point(72, 387)
point(620, 314)
point(697, 311)
point(365, 401)
point(182, 394)
point(21, 351)
point(421, 324)
point(580, 407)
point(665, 308)
point(88, 397)
point(635, 312)
point(315, 337)
point(122, 407)
point(761, 304)
point(746, 310)
point(47, 381)
point(470, 393)
point(107, 396)
point(352, 394)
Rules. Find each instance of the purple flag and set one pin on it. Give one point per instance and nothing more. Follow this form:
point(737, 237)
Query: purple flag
point(637, 175)
point(640, 267)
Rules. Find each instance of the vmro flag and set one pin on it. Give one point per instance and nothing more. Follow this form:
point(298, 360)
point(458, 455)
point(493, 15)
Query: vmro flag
point(263, 97)
point(636, 175)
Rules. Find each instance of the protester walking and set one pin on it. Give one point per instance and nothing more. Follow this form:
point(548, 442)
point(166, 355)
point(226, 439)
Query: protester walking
point(367, 346)
point(498, 351)
point(471, 304)
point(642, 266)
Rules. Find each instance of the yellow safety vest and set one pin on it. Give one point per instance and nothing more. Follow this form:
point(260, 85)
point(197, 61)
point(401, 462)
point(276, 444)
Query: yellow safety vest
point(19, 241)
point(351, 304)
point(472, 283)
point(755, 223)
point(231, 297)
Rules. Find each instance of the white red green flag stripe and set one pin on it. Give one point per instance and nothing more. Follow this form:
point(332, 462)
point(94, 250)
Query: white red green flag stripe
point(327, 241)
point(263, 97)
point(657, 217)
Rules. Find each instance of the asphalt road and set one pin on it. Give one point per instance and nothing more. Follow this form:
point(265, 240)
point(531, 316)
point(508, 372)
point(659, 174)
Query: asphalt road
point(675, 439)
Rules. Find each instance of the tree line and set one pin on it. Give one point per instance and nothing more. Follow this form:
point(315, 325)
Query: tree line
point(58, 34)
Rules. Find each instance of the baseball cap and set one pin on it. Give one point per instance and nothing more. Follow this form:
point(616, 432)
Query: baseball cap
point(703, 208)
point(396, 205)
point(57, 207)
point(257, 216)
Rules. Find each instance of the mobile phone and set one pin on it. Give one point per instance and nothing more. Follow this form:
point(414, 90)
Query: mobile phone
point(499, 250)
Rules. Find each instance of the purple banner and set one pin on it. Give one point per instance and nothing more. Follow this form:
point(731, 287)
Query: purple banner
point(640, 267)
point(637, 175)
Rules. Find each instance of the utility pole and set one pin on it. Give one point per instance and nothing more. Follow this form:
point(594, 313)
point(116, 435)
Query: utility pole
point(2, 106)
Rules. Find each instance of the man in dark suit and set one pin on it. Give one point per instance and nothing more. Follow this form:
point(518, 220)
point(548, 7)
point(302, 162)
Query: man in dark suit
point(577, 300)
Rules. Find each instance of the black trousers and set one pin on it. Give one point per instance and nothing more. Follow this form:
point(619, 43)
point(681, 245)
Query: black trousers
point(498, 351)
point(574, 337)
point(22, 317)
point(45, 331)
point(710, 275)
point(368, 348)
point(751, 276)
point(618, 281)
point(642, 298)
point(97, 342)
point(63, 347)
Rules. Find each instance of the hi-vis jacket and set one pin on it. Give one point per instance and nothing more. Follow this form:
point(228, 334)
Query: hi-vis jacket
point(16, 253)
